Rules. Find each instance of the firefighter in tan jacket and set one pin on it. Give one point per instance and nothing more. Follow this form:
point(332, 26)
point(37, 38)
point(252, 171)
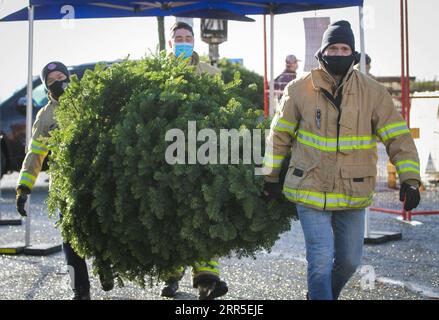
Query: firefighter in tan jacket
point(330, 121)
point(205, 274)
point(55, 77)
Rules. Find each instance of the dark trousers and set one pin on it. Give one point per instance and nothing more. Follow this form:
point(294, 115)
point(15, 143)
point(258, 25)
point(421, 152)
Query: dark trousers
point(77, 267)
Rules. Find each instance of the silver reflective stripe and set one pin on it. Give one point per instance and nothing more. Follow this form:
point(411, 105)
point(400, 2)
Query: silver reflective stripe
point(333, 200)
point(407, 165)
point(357, 143)
point(393, 130)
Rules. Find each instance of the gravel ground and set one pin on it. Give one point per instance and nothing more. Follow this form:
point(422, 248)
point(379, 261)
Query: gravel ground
point(407, 269)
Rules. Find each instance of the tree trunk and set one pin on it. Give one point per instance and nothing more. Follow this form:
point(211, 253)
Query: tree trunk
point(161, 30)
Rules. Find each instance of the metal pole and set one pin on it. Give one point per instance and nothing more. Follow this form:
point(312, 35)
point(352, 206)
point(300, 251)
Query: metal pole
point(271, 64)
point(362, 44)
point(363, 69)
point(407, 63)
point(366, 223)
point(266, 105)
point(402, 62)
point(29, 107)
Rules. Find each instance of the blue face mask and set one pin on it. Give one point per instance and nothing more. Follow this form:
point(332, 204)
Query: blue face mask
point(185, 49)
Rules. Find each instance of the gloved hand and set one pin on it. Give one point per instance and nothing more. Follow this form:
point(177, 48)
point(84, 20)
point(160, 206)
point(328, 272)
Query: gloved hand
point(272, 190)
point(22, 193)
point(410, 194)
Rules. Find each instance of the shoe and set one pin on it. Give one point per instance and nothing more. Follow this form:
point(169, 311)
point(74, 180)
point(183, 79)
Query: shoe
point(209, 290)
point(107, 283)
point(170, 288)
point(81, 293)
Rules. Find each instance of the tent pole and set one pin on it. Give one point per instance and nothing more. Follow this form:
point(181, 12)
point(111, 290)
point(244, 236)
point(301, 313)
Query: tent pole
point(407, 64)
point(362, 44)
point(363, 70)
point(403, 100)
point(371, 237)
point(29, 107)
point(266, 111)
point(271, 102)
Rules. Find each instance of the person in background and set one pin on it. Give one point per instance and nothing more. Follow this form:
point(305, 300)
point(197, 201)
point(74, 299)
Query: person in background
point(289, 74)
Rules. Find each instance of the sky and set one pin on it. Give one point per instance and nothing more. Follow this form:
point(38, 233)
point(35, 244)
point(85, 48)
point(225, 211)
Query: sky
point(91, 40)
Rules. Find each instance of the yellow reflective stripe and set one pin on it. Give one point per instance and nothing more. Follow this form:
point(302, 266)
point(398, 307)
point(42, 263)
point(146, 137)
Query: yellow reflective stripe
point(315, 145)
point(394, 134)
point(309, 197)
point(330, 200)
point(29, 176)
point(287, 130)
point(40, 152)
point(407, 166)
point(39, 144)
point(357, 138)
point(206, 269)
point(392, 130)
point(211, 266)
point(277, 157)
point(317, 137)
point(38, 148)
point(212, 263)
point(330, 144)
point(340, 200)
point(357, 142)
point(288, 123)
point(268, 164)
point(402, 162)
point(26, 183)
point(26, 179)
point(317, 142)
point(283, 125)
point(272, 161)
point(365, 147)
point(391, 126)
point(354, 147)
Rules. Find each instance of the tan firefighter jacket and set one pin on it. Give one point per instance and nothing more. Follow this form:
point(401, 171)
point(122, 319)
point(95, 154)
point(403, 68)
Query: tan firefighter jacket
point(203, 67)
point(334, 152)
point(37, 149)
point(200, 67)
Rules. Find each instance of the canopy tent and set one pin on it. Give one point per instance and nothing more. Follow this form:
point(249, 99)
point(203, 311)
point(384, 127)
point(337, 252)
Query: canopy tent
point(217, 9)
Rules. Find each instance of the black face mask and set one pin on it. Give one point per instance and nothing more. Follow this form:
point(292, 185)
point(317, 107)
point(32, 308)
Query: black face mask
point(338, 65)
point(57, 88)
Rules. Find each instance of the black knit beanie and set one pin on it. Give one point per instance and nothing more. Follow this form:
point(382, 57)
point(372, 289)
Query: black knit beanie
point(338, 32)
point(53, 66)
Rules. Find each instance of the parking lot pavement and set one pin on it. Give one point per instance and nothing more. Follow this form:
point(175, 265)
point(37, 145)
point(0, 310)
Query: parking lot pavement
point(405, 269)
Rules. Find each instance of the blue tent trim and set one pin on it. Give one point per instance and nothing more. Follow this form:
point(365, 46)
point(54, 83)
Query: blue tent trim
point(219, 9)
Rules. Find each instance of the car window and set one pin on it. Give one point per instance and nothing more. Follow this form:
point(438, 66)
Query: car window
point(39, 95)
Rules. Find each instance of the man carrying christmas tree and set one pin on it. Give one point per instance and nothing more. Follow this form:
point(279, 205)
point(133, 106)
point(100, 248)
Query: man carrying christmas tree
point(330, 120)
point(205, 274)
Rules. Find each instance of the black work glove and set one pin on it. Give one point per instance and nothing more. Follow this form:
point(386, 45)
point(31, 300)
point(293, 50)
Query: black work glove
point(22, 192)
point(272, 190)
point(410, 194)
